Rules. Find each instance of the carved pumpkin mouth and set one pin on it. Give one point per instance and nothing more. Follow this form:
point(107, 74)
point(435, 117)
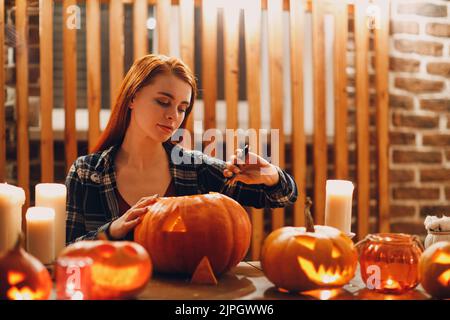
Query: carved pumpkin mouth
point(124, 278)
point(331, 275)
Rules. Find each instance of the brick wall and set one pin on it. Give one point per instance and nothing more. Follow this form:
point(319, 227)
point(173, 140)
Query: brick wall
point(419, 92)
point(419, 87)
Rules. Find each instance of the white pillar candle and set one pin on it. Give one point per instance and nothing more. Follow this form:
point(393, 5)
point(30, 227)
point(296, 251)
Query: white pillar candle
point(53, 195)
point(41, 233)
point(11, 201)
point(338, 207)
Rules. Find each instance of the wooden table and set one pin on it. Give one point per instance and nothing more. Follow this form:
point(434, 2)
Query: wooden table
point(247, 281)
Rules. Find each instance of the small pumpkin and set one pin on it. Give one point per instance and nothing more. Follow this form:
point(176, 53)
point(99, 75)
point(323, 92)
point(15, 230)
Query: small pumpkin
point(120, 269)
point(22, 276)
point(434, 270)
point(180, 232)
point(300, 259)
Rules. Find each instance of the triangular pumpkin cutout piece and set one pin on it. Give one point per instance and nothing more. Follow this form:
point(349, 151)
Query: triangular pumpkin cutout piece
point(203, 273)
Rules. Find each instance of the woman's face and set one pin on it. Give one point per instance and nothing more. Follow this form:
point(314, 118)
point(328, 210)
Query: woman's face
point(159, 108)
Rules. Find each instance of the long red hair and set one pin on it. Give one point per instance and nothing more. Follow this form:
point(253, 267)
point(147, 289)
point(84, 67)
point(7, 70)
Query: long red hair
point(142, 73)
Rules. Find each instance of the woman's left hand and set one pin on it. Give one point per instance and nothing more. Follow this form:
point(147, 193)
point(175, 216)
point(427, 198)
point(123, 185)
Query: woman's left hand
point(254, 170)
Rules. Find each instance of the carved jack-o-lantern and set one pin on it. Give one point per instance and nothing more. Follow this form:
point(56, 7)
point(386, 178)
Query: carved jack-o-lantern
point(120, 269)
point(23, 277)
point(181, 232)
point(434, 269)
point(316, 257)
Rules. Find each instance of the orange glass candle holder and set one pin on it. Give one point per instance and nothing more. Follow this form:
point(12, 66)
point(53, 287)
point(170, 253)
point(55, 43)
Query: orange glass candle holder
point(389, 262)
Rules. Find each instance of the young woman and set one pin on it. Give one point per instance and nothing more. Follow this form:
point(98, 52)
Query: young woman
point(110, 189)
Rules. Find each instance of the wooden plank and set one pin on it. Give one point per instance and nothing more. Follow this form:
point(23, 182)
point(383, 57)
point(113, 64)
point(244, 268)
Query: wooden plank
point(275, 26)
point(231, 71)
point(298, 158)
point(198, 3)
point(70, 85)
point(46, 82)
point(116, 47)
point(187, 39)
point(209, 63)
point(252, 25)
point(382, 107)
point(187, 43)
point(340, 90)
point(140, 38)
point(2, 96)
point(94, 85)
point(163, 9)
point(362, 117)
point(320, 137)
point(23, 152)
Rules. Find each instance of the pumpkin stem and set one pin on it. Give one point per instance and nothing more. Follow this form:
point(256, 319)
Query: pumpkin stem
point(309, 222)
point(19, 242)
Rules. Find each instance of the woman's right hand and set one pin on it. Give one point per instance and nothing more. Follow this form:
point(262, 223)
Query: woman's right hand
point(130, 219)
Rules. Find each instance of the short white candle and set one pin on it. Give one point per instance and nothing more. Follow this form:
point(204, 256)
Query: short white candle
point(41, 233)
point(53, 195)
point(338, 207)
point(12, 199)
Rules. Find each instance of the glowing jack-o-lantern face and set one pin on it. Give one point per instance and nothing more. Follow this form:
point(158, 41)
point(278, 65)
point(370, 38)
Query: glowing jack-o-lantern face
point(181, 232)
point(316, 257)
point(296, 260)
point(434, 269)
point(23, 277)
point(120, 269)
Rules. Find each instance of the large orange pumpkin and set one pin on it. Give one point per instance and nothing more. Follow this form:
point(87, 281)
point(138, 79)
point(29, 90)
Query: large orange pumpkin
point(179, 232)
point(120, 269)
point(23, 277)
point(300, 259)
point(434, 270)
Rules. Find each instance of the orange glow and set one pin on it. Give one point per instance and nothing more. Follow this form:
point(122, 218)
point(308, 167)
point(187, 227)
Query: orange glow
point(110, 276)
point(391, 284)
point(444, 278)
point(308, 242)
point(331, 275)
point(323, 294)
point(15, 277)
point(24, 294)
point(442, 258)
point(335, 253)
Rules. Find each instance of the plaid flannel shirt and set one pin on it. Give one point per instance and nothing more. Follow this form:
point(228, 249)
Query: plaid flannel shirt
point(91, 183)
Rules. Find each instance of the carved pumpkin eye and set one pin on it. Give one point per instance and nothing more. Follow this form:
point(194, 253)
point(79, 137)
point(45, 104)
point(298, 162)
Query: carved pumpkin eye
point(307, 242)
point(129, 250)
point(15, 277)
point(335, 252)
point(174, 223)
point(442, 258)
point(106, 250)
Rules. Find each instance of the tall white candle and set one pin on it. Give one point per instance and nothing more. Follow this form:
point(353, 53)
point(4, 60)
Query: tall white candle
point(53, 195)
point(41, 233)
point(11, 201)
point(338, 207)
